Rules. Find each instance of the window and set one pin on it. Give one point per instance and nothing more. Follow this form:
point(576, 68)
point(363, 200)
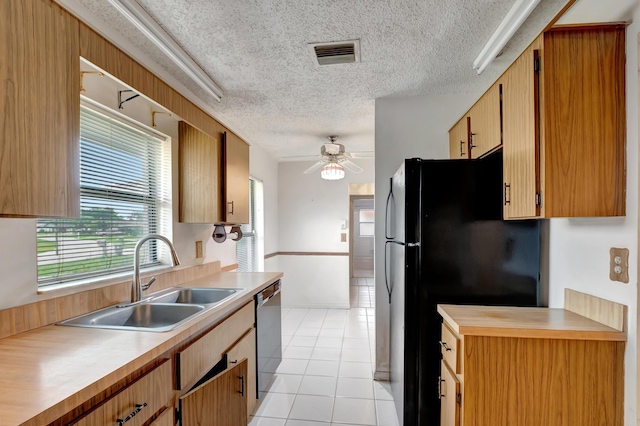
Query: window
point(366, 219)
point(249, 250)
point(124, 194)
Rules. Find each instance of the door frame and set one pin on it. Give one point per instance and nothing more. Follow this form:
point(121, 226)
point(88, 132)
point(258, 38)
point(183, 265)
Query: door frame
point(352, 199)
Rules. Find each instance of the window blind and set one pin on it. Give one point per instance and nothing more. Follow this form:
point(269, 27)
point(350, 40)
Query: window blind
point(246, 248)
point(124, 187)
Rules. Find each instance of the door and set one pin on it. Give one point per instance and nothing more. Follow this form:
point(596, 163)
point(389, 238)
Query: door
point(520, 100)
point(236, 179)
point(222, 401)
point(246, 348)
point(362, 238)
point(485, 123)
point(450, 397)
point(458, 140)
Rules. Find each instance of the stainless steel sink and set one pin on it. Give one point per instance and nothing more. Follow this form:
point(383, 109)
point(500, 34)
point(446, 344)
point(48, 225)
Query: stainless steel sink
point(199, 296)
point(143, 316)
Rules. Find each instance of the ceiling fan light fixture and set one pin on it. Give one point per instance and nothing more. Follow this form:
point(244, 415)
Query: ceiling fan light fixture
point(332, 171)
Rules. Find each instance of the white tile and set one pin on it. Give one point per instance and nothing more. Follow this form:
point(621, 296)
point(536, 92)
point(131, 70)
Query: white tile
point(275, 405)
point(305, 331)
point(322, 368)
point(326, 354)
point(386, 412)
point(292, 366)
point(303, 341)
point(312, 323)
point(317, 408)
point(329, 342)
point(382, 390)
point(280, 383)
point(266, 421)
point(354, 388)
point(359, 370)
point(318, 385)
point(297, 352)
point(305, 423)
point(331, 332)
point(356, 355)
point(351, 343)
point(335, 314)
point(333, 324)
point(356, 333)
point(356, 411)
point(286, 338)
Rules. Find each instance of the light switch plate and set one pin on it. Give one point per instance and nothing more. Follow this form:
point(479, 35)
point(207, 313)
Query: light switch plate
point(199, 253)
point(343, 237)
point(619, 264)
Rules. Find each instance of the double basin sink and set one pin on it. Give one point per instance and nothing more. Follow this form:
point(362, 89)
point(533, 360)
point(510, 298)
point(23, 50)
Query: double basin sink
point(161, 311)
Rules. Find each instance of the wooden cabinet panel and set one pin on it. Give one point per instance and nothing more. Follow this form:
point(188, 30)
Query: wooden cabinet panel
point(449, 397)
point(584, 122)
point(222, 401)
point(485, 123)
point(196, 359)
point(532, 382)
point(199, 176)
point(236, 179)
point(246, 348)
point(140, 400)
point(40, 110)
point(450, 347)
point(459, 140)
point(167, 418)
point(520, 137)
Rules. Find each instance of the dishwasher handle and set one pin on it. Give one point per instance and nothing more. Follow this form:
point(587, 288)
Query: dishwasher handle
point(266, 294)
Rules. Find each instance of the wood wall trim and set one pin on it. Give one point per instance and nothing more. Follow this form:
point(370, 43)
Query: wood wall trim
point(228, 268)
point(604, 311)
point(45, 312)
point(270, 255)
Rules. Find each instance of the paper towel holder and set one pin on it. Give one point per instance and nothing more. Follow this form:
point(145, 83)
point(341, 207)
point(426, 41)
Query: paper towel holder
point(220, 233)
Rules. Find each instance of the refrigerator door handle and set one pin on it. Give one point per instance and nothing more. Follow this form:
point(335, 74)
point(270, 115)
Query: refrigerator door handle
point(390, 200)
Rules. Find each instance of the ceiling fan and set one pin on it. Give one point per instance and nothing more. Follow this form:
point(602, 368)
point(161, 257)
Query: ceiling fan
point(333, 161)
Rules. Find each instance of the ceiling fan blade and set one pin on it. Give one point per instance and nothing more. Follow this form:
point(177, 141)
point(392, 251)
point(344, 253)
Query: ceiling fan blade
point(362, 154)
point(315, 166)
point(351, 166)
point(300, 158)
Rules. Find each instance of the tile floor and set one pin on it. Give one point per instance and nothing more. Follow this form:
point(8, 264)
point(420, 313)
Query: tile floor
point(362, 293)
point(326, 374)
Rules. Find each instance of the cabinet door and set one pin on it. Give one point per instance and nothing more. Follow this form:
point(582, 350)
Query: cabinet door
point(520, 105)
point(236, 179)
point(449, 397)
point(485, 123)
point(458, 140)
point(167, 418)
point(246, 348)
point(39, 110)
point(222, 401)
point(200, 183)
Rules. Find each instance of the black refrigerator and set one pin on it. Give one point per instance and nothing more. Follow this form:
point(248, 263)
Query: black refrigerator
point(446, 242)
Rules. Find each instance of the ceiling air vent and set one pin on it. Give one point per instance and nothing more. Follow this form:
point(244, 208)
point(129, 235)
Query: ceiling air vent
point(341, 52)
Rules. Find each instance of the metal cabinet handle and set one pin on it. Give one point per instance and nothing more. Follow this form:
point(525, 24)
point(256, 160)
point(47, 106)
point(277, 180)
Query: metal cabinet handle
point(445, 346)
point(507, 200)
point(461, 145)
point(440, 382)
point(241, 385)
point(230, 212)
point(471, 145)
point(139, 408)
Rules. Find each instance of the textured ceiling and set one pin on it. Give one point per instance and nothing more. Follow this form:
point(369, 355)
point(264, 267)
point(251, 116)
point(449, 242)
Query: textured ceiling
point(274, 94)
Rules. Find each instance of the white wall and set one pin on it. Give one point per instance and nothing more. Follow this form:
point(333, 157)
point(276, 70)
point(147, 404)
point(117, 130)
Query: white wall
point(310, 214)
point(579, 248)
point(405, 128)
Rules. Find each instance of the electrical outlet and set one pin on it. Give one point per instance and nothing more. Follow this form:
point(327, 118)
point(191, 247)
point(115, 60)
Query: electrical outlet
point(199, 253)
point(619, 264)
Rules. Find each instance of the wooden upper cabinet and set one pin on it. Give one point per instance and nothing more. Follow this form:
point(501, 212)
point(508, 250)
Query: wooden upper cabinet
point(199, 176)
point(485, 125)
point(520, 95)
point(564, 125)
point(39, 109)
point(459, 140)
point(236, 179)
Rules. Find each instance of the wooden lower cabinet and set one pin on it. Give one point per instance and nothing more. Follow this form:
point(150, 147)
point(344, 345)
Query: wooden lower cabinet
point(450, 397)
point(246, 348)
point(221, 401)
point(166, 418)
point(137, 403)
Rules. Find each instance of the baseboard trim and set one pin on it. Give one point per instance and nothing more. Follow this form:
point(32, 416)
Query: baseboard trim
point(381, 376)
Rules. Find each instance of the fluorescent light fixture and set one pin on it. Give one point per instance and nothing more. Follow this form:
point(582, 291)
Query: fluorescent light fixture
point(139, 17)
point(507, 28)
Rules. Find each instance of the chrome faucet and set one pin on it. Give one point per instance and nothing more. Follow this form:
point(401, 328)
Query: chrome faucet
point(136, 286)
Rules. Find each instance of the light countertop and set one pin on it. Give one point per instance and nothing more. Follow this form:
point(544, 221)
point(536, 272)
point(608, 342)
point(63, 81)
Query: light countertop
point(46, 372)
point(542, 323)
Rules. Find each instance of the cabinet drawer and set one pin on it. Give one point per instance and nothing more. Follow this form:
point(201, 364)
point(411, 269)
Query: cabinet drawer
point(198, 358)
point(450, 345)
point(167, 418)
point(138, 401)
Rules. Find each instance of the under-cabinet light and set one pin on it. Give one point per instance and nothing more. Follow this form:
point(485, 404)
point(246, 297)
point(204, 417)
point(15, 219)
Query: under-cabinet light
point(507, 28)
point(139, 17)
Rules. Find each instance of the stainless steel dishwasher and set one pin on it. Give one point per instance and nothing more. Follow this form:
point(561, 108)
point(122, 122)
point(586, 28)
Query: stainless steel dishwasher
point(268, 335)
